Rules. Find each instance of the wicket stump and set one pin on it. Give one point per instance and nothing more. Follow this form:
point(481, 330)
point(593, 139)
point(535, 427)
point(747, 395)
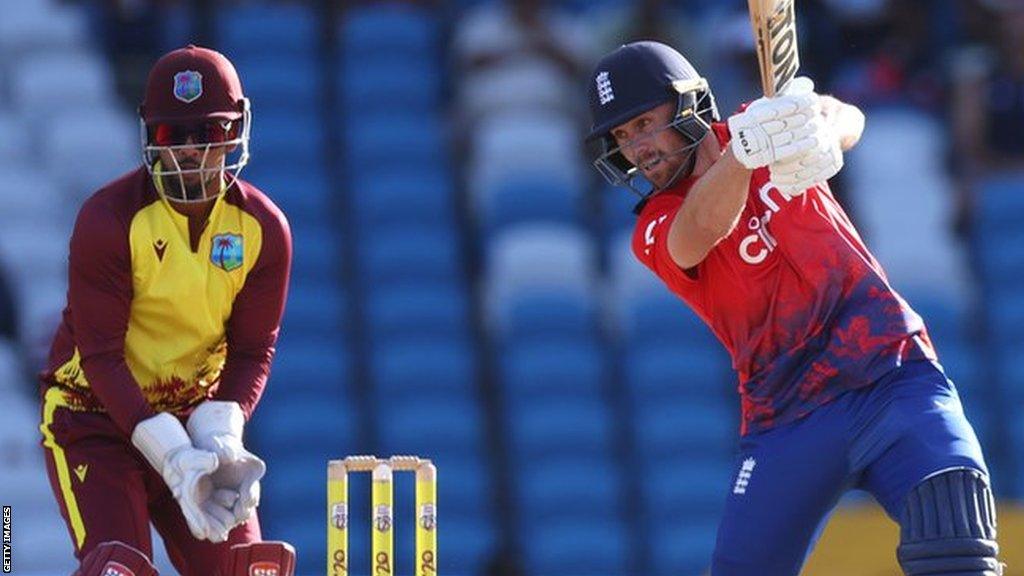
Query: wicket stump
point(382, 513)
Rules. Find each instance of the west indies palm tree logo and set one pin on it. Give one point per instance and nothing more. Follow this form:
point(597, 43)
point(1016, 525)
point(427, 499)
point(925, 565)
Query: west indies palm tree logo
point(226, 251)
point(188, 86)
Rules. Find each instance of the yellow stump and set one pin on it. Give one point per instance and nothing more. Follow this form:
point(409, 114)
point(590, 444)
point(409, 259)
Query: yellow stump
point(426, 519)
point(383, 521)
point(337, 515)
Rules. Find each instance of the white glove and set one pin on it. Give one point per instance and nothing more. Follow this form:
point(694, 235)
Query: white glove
point(795, 175)
point(165, 444)
point(773, 129)
point(217, 426)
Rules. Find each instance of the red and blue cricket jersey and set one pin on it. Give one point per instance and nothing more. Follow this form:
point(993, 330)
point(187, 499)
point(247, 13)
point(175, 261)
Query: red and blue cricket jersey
point(804, 309)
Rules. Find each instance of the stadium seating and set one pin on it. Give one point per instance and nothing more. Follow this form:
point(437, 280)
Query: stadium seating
point(463, 285)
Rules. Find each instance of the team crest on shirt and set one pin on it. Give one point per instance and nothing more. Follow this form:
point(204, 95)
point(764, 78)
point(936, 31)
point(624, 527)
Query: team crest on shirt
point(188, 86)
point(226, 251)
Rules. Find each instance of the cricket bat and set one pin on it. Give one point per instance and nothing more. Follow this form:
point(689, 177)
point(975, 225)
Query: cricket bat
point(774, 23)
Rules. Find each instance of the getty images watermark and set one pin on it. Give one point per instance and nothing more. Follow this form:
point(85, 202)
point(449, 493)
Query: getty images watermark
point(7, 539)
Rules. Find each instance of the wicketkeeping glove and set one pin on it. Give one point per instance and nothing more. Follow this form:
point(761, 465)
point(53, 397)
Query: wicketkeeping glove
point(165, 444)
point(217, 426)
point(777, 128)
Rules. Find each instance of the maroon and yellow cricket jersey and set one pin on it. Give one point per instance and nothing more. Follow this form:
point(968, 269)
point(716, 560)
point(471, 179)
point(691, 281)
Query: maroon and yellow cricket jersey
point(793, 293)
point(161, 316)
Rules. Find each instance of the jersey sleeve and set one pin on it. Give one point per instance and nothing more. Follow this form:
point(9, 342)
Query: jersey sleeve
point(650, 244)
point(100, 296)
point(256, 318)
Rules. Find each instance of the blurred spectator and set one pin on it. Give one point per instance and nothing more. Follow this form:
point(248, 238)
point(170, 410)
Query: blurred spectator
point(130, 36)
point(519, 54)
point(988, 98)
point(989, 93)
point(895, 57)
point(730, 63)
point(135, 32)
point(665, 22)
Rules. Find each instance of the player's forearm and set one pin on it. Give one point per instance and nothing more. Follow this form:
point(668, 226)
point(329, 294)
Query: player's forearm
point(115, 387)
point(710, 211)
point(245, 377)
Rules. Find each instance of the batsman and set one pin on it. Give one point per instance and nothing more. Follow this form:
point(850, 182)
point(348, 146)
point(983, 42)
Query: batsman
point(177, 274)
point(840, 386)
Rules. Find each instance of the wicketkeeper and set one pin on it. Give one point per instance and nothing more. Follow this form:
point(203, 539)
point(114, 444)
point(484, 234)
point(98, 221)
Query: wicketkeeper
point(177, 276)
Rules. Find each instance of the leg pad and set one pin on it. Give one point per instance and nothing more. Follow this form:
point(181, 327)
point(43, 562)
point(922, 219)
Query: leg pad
point(948, 527)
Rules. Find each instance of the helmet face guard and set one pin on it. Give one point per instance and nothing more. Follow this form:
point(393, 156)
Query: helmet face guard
point(235, 157)
point(195, 123)
point(695, 111)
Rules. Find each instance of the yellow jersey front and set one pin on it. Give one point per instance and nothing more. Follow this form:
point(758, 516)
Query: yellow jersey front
point(164, 312)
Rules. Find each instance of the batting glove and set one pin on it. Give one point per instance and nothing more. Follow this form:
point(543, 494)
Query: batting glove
point(217, 426)
point(166, 446)
point(795, 175)
point(777, 128)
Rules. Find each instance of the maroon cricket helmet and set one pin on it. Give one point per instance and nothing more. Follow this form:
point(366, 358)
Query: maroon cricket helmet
point(192, 84)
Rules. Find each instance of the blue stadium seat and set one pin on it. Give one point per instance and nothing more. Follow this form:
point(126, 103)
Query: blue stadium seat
point(959, 359)
point(466, 547)
point(406, 83)
point(514, 200)
point(617, 206)
point(303, 195)
point(594, 547)
point(281, 82)
point(393, 28)
point(684, 425)
point(465, 488)
point(553, 368)
point(422, 310)
point(317, 254)
point(684, 546)
point(568, 488)
point(316, 308)
point(547, 315)
point(307, 362)
point(374, 142)
point(422, 195)
point(1009, 376)
point(681, 486)
point(1000, 201)
point(293, 508)
point(464, 544)
point(304, 425)
point(290, 138)
point(662, 317)
point(305, 532)
point(946, 319)
point(405, 254)
point(539, 256)
point(274, 27)
point(422, 367)
point(1001, 256)
point(430, 423)
point(1006, 314)
point(668, 369)
point(540, 429)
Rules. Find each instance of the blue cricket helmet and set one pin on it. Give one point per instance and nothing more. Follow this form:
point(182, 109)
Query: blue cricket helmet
point(635, 78)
